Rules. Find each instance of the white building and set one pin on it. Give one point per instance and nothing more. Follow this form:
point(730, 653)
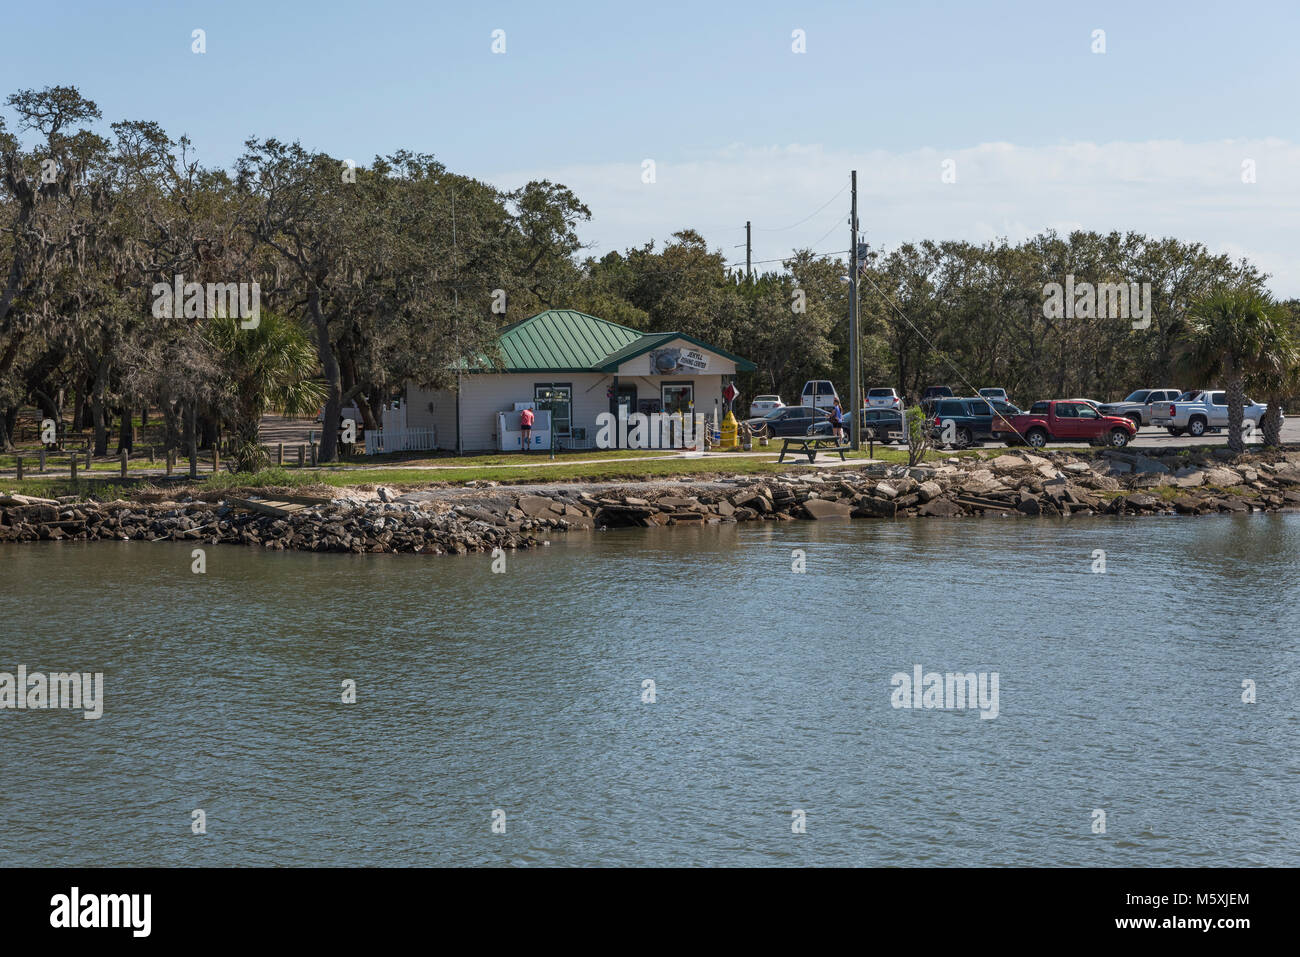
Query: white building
point(585, 366)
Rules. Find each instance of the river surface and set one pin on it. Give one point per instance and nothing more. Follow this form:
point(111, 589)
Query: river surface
point(522, 693)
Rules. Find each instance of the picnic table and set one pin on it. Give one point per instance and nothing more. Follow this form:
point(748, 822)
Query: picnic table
point(810, 445)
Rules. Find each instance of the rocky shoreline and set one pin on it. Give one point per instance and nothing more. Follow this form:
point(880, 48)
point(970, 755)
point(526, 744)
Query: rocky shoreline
point(486, 517)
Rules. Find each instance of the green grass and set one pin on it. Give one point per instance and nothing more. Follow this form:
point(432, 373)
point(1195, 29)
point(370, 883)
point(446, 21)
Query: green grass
point(621, 466)
point(507, 458)
point(630, 471)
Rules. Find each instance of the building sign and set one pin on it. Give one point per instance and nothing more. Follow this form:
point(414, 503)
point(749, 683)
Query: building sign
point(677, 361)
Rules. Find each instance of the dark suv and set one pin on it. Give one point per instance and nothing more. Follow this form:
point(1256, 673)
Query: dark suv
point(935, 392)
point(791, 420)
point(875, 425)
point(972, 419)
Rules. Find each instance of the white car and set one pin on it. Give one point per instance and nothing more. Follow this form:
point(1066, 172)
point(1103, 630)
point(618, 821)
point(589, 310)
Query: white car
point(763, 404)
point(818, 393)
point(883, 399)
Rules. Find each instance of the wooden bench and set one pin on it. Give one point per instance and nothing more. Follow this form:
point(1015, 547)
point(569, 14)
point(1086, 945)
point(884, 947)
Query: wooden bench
point(810, 445)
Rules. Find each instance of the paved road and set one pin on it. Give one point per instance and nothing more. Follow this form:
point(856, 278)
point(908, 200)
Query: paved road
point(1153, 438)
point(1159, 438)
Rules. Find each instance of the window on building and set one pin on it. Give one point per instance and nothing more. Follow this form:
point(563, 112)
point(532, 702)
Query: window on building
point(678, 397)
point(558, 397)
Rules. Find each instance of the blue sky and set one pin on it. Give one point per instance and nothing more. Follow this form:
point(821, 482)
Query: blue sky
point(1151, 135)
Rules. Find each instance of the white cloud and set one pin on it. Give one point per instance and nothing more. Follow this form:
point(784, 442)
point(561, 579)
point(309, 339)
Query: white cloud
point(1191, 191)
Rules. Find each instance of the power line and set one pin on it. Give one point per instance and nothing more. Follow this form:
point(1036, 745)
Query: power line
point(942, 354)
point(779, 229)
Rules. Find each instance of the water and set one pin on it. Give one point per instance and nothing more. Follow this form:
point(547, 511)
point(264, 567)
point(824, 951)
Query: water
point(522, 692)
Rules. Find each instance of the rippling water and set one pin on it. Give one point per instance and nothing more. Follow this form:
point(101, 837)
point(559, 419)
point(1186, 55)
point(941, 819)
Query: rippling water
point(522, 691)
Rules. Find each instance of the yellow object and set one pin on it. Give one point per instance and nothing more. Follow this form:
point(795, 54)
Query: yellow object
point(729, 430)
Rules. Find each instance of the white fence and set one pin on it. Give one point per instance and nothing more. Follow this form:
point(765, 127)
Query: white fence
point(379, 441)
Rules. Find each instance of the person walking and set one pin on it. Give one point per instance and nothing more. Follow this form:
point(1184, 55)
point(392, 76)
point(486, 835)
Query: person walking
point(526, 427)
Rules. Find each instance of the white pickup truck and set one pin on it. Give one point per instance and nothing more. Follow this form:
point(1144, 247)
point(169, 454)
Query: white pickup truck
point(1139, 404)
point(1207, 411)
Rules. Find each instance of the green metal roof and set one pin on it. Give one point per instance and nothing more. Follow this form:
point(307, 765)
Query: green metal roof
point(561, 340)
point(565, 340)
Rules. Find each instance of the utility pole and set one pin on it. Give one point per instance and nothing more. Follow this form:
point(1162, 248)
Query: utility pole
point(855, 439)
point(749, 252)
point(455, 309)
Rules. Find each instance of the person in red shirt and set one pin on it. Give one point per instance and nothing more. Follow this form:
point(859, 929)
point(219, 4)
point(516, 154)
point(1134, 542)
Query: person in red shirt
point(526, 427)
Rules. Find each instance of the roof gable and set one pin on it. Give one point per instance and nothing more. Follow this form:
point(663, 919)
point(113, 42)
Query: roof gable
point(565, 340)
point(561, 340)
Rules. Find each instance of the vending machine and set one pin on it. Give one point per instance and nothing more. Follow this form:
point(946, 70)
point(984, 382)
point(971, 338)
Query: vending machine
point(511, 439)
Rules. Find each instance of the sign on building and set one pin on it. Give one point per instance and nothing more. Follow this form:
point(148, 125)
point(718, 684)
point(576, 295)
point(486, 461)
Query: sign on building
point(677, 361)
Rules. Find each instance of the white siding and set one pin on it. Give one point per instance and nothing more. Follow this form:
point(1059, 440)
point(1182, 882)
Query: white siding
point(442, 416)
point(486, 394)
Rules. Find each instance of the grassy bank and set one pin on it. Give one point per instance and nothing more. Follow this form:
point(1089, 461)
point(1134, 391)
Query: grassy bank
point(629, 469)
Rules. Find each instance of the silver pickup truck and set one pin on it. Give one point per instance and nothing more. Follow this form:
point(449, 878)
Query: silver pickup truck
point(1207, 411)
point(1138, 405)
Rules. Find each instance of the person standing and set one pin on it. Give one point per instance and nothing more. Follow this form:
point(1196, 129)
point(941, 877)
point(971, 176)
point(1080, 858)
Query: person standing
point(526, 427)
point(837, 422)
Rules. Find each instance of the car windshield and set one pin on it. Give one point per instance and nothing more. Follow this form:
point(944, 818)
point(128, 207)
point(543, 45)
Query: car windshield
point(766, 398)
point(876, 393)
point(1005, 408)
point(1139, 396)
point(776, 413)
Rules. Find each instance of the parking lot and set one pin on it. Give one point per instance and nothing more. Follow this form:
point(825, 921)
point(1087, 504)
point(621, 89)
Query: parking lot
point(1149, 437)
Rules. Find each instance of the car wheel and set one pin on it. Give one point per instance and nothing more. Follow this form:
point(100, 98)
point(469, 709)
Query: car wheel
point(1036, 437)
point(1196, 427)
point(1118, 438)
point(964, 438)
point(1173, 431)
point(1136, 420)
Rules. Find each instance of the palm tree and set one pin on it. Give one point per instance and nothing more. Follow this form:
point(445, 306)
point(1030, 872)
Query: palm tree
point(1234, 336)
point(1277, 375)
point(269, 366)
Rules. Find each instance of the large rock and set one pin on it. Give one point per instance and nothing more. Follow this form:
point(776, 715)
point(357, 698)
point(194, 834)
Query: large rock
point(676, 502)
point(929, 490)
point(821, 509)
point(1222, 477)
point(1009, 463)
point(868, 507)
point(1142, 501)
point(940, 507)
point(534, 506)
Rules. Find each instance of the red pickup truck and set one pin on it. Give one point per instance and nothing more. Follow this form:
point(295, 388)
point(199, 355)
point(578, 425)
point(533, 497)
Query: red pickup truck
point(1059, 420)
